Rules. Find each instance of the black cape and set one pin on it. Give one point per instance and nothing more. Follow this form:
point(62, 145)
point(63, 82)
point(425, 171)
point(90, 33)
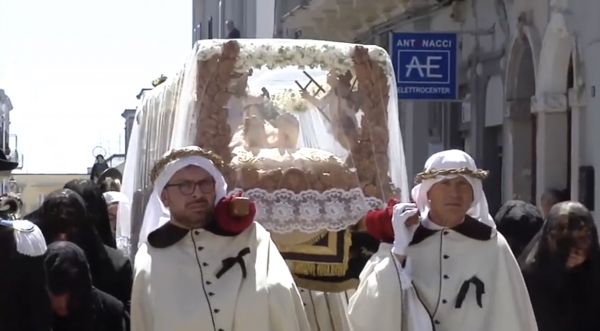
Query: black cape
point(89, 309)
point(565, 299)
point(63, 213)
point(24, 297)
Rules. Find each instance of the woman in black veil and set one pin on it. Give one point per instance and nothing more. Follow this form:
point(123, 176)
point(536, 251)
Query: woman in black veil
point(96, 208)
point(519, 222)
point(63, 217)
point(562, 271)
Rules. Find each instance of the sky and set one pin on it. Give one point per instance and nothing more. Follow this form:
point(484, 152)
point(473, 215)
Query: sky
point(70, 68)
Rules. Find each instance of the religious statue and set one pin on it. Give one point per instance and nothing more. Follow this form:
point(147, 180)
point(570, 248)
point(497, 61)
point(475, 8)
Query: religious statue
point(343, 105)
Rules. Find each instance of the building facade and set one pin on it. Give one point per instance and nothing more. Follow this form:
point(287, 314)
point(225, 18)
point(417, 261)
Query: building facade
point(475, 122)
point(8, 145)
point(552, 73)
point(33, 188)
point(529, 72)
point(254, 18)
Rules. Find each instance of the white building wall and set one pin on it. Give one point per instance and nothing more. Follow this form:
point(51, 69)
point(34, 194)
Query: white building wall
point(561, 34)
point(251, 22)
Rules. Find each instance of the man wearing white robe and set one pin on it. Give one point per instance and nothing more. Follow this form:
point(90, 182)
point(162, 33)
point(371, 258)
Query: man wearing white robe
point(462, 269)
point(197, 270)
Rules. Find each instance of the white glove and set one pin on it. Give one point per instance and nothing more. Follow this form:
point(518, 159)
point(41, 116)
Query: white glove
point(402, 233)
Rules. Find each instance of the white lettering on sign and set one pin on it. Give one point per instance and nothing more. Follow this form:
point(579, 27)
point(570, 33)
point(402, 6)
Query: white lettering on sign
point(410, 43)
point(428, 67)
point(423, 90)
point(437, 43)
point(406, 43)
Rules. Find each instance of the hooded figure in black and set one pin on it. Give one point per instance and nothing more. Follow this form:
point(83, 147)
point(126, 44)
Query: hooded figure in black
point(24, 297)
point(96, 208)
point(76, 304)
point(562, 272)
point(519, 222)
point(63, 217)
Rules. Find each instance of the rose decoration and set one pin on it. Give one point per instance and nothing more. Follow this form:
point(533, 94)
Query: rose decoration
point(235, 213)
point(379, 223)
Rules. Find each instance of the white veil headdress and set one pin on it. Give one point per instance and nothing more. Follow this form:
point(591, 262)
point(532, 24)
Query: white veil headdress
point(450, 164)
point(156, 214)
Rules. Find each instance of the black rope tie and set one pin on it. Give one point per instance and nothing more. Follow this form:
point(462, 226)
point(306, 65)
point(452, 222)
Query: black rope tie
point(462, 293)
point(229, 262)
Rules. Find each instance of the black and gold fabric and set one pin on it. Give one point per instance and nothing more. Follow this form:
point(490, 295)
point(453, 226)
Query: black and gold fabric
point(330, 261)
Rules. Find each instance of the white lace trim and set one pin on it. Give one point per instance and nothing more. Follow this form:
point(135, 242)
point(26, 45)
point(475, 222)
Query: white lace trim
point(284, 211)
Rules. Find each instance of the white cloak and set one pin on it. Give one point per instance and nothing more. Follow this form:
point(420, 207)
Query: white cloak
point(382, 302)
point(326, 311)
point(176, 288)
point(443, 260)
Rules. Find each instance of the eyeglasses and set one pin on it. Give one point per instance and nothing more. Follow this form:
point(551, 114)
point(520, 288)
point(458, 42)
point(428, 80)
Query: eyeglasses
point(188, 188)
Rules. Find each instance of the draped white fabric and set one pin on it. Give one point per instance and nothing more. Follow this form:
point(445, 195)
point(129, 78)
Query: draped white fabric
point(149, 140)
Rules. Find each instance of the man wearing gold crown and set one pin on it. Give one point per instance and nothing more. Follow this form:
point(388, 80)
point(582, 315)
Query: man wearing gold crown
point(203, 263)
point(446, 246)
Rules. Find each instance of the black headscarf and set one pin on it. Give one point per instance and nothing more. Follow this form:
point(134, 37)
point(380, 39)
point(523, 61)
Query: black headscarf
point(519, 222)
point(96, 208)
point(565, 298)
point(69, 273)
point(64, 212)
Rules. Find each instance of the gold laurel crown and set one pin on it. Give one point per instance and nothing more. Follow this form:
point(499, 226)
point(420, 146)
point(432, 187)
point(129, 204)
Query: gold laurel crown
point(433, 173)
point(179, 153)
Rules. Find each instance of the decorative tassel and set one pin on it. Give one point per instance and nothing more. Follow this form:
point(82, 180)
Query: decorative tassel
point(379, 223)
point(234, 213)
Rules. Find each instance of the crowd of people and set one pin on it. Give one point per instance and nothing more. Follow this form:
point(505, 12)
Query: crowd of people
point(203, 264)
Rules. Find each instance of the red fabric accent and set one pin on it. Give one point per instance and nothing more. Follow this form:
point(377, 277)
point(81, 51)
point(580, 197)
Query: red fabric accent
point(230, 223)
point(379, 223)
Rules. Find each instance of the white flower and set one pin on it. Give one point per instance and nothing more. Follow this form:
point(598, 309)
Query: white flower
point(300, 53)
point(309, 212)
point(283, 211)
point(334, 209)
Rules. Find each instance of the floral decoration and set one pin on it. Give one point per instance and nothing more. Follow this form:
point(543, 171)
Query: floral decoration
point(289, 100)
point(230, 223)
point(301, 53)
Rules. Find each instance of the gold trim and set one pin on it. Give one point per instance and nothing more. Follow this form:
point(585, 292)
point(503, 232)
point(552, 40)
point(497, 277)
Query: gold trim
point(317, 285)
point(433, 173)
point(322, 269)
point(309, 248)
point(179, 153)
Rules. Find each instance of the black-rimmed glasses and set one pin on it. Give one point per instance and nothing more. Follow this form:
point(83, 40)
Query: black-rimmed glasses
point(188, 188)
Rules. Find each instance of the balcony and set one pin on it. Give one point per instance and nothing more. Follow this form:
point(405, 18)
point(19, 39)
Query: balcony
point(343, 20)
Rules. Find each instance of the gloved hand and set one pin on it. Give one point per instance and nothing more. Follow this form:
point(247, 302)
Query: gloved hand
point(403, 232)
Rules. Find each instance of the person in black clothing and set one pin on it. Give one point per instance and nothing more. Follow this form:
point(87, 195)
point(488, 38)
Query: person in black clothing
point(232, 31)
point(519, 222)
point(63, 217)
point(98, 168)
point(96, 207)
point(76, 304)
point(551, 197)
point(562, 271)
point(24, 297)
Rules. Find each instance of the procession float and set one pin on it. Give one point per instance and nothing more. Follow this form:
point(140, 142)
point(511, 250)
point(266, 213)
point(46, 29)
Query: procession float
point(307, 130)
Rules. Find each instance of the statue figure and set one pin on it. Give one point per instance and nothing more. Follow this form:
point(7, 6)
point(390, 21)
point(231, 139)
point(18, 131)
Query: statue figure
point(343, 105)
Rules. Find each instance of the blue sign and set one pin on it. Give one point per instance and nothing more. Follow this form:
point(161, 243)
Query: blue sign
point(426, 65)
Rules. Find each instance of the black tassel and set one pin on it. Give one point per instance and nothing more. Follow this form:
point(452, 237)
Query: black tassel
point(229, 262)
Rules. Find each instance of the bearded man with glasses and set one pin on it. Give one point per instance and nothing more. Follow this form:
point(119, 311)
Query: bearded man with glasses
point(203, 263)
